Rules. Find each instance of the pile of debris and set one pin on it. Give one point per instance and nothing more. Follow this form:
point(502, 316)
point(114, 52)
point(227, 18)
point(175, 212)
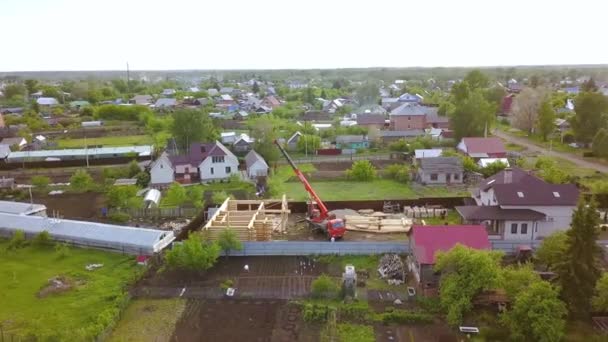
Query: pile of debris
point(55, 285)
point(392, 268)
point(175, 225)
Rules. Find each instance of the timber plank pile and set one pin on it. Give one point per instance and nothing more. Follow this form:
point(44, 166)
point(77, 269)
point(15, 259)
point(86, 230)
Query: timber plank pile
point(378, 223)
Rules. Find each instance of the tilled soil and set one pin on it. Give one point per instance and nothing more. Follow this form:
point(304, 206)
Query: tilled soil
point(83, 206)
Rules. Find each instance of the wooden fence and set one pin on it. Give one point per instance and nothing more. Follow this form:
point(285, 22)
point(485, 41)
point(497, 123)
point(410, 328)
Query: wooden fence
point(151, 213)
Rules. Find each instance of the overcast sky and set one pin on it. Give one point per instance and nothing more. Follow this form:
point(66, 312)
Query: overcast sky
point(276, 34)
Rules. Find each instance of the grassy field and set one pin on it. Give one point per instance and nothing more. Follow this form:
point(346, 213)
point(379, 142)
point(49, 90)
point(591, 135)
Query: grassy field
point(148, 320)
point(78, 314)
point(387, 189)
point(106, 141)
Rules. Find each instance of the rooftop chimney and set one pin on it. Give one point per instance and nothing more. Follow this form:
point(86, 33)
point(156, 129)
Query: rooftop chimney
point(508, 175)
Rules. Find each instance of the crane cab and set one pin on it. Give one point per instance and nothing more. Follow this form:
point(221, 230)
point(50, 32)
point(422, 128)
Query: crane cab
point(336, 228)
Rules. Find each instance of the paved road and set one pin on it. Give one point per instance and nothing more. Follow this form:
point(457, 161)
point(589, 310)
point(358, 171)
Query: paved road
point(564, 155)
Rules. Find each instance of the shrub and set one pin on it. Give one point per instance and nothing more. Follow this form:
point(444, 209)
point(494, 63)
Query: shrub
point(400, 145)
point(402, 316)
point(398, 172)
point(219, 197)
point(42, 239)
point(357, 311)
point(62, 250)
point(41, 182)
point(324, 287)
point(118, 217)
point(226, 284)
point(362, 170)
point(81, 180)
point(18, 240)
point(143, 178)
point(316, 312)
point(505, 121)
point(193, 254)
point(228, 240)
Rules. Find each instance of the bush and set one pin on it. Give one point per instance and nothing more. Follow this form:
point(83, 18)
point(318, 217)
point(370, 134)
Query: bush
point(41, 182)
point(505, 121)
point(81, 181)
point(362, 170)
point(402, 316)
point(400, 145)
point(356, 311)
point(398, 172)
point(62, 250)
point(316, 312)
point(193, 254)
point(42, 239)
point(118, 217)
point(219, 197)
point(226, 284)
point(324, 287)
point(143, 179)
point(17, 241)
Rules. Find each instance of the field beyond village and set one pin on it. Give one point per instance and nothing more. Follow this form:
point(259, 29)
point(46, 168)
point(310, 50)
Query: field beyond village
point(90, 303)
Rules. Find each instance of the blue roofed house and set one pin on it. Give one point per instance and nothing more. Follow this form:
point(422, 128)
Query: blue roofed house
point(353, 142)
point(409, 98)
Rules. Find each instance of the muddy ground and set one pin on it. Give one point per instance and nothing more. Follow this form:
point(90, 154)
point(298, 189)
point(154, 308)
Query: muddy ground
point(81, 206)
point(344, 165)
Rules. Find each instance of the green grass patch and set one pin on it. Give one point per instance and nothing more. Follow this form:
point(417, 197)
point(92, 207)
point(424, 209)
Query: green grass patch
point(514, 147)
point(451, 218)
point(149, 320)
point(77, 314)
point(106, 141)
point(355, 333)
point(351, 190)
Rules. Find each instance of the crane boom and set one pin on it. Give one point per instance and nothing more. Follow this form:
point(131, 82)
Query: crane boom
point(322, 208)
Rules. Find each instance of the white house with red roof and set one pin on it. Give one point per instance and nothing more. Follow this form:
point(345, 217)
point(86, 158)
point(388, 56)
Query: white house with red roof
point(426, 241)
point(203, 163)
point(516, 205)
point(476, 147)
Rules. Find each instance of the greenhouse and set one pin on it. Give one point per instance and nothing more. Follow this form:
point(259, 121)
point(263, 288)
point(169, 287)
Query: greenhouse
point(129, 240)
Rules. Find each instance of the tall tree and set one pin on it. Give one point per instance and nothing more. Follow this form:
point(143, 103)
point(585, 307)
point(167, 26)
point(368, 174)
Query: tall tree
point(589, 86)
point(477, 79)
point(579, 270)
point(553, 249)
point(546, 119)
point(591, 110)
point(32, 86)
point(190, 126)
point(367, 93)
point(495, 96)
point(599, 302)
point(600, 143)
point(264, 131)
point(465, 272)
point(526, 106)
point(256, 87)
point(228, 241)
point(193, 254)
point(537, 314)
point(13, 90)
point(471, 116)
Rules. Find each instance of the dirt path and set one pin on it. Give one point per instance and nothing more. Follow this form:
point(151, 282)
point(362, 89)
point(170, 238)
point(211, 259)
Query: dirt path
point(564, 155)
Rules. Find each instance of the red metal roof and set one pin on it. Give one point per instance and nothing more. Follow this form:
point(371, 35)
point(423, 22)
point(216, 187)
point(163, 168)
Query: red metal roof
point(484, 145)
point(428, 240)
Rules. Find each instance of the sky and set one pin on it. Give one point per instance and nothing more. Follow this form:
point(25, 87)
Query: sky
point(298, 34)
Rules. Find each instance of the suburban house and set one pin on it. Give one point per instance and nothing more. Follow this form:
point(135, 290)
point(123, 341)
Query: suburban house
point(168, 92)
point(226, 100)
point(292, 142)
point(391, 136)
point(427, 153)
point(143, 100)
point(296, 84)
point(433, 120)
point(371, 109)
point(333, 105)
point(372, 121)
point(390, 103)
point(440, 170)
point(426, 241)
point(562, 124)
point(408, 116)
point(271, 102)
point(18, 111)
point(203, 163)
point(482, 147)
point(243, 144)
point(507, 104)
point(212, 92)
point(256, 165)
point(409, 98)
point(315, 115)
point(352, 142)
point(226, 90)
point(516, 205)
point(165, 102)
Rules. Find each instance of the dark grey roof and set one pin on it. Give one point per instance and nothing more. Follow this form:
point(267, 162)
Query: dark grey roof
point(345, 139)
point(370, 119)
point(481, 213)
point(165, 102)
point(410, 109)
point(253, 157)
point(441, 164)
point(403, 134)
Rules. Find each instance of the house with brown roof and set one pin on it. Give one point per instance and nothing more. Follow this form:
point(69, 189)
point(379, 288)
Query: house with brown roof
point(516, 205)
point(372, 121)
point(271, 102)
point(203, 163)
point(476, 147)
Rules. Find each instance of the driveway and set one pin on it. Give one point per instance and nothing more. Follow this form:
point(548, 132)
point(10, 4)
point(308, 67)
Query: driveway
point(564, 155)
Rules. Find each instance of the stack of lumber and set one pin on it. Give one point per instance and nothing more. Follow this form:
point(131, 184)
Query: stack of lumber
point(377, 223)
point(421, 212)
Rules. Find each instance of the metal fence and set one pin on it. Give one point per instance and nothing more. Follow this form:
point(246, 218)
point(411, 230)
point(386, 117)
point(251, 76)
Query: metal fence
point(292, 248)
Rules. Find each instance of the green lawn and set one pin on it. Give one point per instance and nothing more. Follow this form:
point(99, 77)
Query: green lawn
point(148, 320)
point(79, 314)
point(106, 141)
point(342, 190)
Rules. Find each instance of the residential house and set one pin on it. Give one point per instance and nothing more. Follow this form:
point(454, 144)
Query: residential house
point(17, 111)
point(433, 120)
point(476, 147)
point(516, 205)
point(165, 103)
point(226, 90)
point(507, 104)
point(243, 144)
point(292, 142)
point(226, 100)
point(241, 115)
point(297, 84)
point(194, 89)
point(392, 136)
point(440, 170)
point(47, 101)
point(562, 125)
point(390, 103)
point(408, 116)
point(256, 165)
point(370, 121)
point(203, 101)
point(352, 142)
point(321, 126)
point(332, 106)
point(271, 101)
point(572, 90)
point(5, 150)
point(426, 241)
point(168, 92)
point(372, 109)
point(203, 163)
point(316, 116)
point(515, 87)
point(411, 98)
point(263, 110)
point(213, 92)
point(143, 100)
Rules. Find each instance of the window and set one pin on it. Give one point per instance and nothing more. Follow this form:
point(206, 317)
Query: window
point(520, 194)
point(161, 166)
point(434, 176)
point(228, 170)
point(456, 176)
point(211, 170)
point(513, 228)
point(524, 228)
point(556, 194)
point(219, 159)
point(409, 118)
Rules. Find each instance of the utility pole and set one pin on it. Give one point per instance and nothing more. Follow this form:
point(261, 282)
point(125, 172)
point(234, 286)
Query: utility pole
point(128, 79)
